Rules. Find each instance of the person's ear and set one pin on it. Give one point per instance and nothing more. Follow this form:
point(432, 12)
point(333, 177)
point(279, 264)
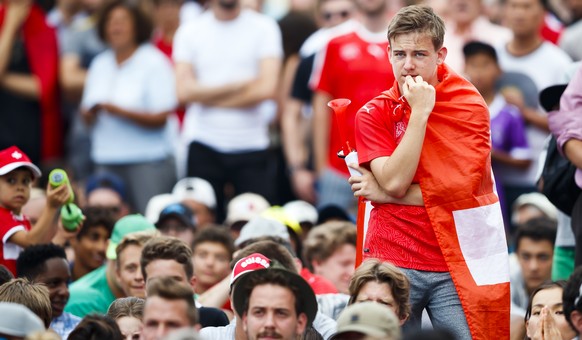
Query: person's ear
point(441, 55)
point(576, 318)
point(244, 322)
point(117, 270)
point(403, 320)
point(301, 323)
point(193, 282)
point(527, 330)
point(316, 265)
point(298, 264)
point(498, 70)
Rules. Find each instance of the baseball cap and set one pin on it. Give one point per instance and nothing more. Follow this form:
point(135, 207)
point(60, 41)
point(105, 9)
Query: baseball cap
point(278, 213)
point(306, 295)
point(127, 225)
point(156, 204)
point(369, 318)
point(523, 83)
point(550, 96)
point(248, 264)
point(260, 226)
point(245, 206)
point(18, 320)
point(13, 158)
point(301, 211)
point(539, 201)
point(106, 180)
point(332, 212)
point(179, 211)
point(196, 189)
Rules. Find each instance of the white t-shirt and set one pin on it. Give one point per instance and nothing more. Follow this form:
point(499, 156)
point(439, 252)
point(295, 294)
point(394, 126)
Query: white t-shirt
point(143, 83)
point(223, 52)
point(546, 67)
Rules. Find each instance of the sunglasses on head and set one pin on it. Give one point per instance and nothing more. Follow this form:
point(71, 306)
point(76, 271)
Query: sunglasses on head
point(343, 14)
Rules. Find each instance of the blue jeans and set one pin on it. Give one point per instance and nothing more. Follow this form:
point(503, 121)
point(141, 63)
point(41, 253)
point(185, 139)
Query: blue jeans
point(436, 292)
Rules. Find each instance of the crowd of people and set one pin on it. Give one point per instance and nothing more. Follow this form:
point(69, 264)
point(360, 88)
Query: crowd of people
point(216, 201)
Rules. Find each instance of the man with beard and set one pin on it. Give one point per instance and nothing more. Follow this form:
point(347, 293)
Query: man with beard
point(274, 303)
point(227, 64)
point(47, 264)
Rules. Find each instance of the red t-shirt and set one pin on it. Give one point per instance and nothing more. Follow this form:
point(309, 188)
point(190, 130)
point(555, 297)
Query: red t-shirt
point(319, 284)
point(356, 69)
point(9, 225)
point(401, 234)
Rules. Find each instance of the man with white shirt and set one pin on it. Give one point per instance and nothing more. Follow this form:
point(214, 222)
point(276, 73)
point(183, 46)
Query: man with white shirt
point(257, 256)
point(527, 54)
point(467, 22)
point(227, 65)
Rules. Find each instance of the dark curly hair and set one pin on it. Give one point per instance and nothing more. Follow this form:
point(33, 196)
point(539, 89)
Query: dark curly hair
point(32, 260)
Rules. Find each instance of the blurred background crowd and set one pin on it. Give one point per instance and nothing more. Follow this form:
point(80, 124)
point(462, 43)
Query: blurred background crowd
point(215, 128)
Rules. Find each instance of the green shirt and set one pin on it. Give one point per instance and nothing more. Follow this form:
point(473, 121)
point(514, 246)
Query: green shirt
point(90, 294)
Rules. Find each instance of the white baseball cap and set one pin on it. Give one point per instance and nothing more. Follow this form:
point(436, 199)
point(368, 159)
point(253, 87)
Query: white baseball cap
point(196, 189)
point(156, 204)
point(260, 226)
point(245, 206)
point(301, 211)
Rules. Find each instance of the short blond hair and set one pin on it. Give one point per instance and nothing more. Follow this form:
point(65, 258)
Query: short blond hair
point(49, 334)
point(418, 19)
point(134, 239)
point(34, 296)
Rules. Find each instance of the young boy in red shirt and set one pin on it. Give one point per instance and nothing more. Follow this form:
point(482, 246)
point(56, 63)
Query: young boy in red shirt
point(17, 173)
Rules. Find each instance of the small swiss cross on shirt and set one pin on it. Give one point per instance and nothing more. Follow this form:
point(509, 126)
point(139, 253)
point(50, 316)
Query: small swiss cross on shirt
point(399, 129)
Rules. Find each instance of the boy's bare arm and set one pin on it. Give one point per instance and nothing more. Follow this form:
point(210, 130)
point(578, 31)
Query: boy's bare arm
point(395, 173)
point(367, 186)
point(45, 228)
point(217, 295)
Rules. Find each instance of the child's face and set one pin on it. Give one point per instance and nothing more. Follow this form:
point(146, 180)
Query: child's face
point(211, 263)
point(15, 189)
point(482, 71)
point(90, 248)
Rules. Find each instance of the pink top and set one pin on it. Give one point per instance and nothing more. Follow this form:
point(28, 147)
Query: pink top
point(566, 123)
